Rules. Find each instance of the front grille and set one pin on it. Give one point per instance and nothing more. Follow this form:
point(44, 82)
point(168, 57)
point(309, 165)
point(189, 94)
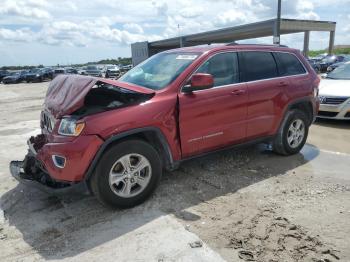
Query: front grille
point(327, 113)
point(47, 122)
point(326, 100)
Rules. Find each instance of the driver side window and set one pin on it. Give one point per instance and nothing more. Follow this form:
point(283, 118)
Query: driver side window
point(223, 67)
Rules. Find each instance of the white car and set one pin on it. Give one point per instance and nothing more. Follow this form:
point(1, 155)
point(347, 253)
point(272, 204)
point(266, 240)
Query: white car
point(334, 94)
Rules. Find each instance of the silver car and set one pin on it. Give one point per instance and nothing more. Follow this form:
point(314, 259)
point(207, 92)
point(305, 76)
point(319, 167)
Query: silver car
point(334, 94)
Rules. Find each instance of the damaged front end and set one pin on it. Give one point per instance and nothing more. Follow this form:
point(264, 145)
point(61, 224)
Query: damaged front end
point(32, 172)
point(60, 156)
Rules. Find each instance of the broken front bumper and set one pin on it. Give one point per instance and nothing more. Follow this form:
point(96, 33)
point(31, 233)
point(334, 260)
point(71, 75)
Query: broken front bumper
point(31, 172)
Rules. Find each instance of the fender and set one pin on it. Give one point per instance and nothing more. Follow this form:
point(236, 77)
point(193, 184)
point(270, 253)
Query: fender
point(170, 164)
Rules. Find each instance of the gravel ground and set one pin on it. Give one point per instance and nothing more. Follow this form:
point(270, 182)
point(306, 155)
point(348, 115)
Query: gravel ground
point(246, 205)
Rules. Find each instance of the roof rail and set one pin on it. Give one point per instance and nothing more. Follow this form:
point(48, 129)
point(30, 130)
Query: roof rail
point(234, 43)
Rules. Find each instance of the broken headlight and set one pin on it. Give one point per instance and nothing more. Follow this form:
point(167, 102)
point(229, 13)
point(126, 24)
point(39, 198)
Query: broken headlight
point(70, 127)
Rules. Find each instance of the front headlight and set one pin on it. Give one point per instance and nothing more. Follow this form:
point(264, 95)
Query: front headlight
point(37, 75)
point(70, 127)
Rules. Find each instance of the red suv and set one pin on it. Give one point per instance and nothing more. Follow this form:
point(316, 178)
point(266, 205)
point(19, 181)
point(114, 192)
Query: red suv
point(115, 137)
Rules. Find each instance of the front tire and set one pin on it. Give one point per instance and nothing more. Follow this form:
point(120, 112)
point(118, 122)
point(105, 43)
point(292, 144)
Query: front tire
point(127, 174)
point(293, 133)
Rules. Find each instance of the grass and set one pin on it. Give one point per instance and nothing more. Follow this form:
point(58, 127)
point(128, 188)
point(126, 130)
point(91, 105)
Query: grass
point(336, 51)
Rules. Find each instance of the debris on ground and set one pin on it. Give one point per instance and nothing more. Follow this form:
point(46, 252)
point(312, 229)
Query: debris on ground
point(196, 244)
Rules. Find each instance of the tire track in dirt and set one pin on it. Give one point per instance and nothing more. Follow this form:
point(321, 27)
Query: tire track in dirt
point(267, 237)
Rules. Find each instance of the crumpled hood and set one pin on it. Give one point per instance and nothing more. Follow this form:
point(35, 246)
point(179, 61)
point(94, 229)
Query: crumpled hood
point(66, 93)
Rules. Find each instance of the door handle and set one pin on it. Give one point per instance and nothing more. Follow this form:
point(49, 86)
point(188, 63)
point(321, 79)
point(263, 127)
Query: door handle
point(238, 92)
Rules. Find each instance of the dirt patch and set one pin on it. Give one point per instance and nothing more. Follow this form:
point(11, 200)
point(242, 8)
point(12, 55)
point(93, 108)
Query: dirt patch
point(268, 237)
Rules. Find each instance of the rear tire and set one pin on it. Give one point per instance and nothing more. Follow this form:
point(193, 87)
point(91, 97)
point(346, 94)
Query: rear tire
point(293, 133)
point(122, 163)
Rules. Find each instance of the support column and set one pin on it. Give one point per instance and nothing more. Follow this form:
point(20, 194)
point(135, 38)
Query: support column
point(331, 42)
point(182, 41)
point(306, 43)
point(277, 27)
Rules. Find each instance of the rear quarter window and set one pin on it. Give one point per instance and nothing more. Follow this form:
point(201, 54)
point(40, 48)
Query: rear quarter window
point(258, 65)
point(289, 64)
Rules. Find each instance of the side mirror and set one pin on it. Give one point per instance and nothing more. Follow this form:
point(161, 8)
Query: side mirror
point(199, 81)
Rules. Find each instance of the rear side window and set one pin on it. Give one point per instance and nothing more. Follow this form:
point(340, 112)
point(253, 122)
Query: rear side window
point(289, 64)
point(223, 67)
point(258, 65)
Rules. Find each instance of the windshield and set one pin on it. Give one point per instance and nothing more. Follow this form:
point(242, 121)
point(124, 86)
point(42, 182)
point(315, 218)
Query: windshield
point(341, 72)
point(160, 70)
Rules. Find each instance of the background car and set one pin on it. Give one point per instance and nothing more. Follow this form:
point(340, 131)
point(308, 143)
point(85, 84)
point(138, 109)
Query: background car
point(126, 68)
point(335, 65)
point(334, 94)
point(15, 77)
point(39, 75)
point(47, 73)
point(3, 73)
point(112, 71)
point(93, 71)
point(71, 70)
point(329, 60)
point(58, 71)
point(82, 70)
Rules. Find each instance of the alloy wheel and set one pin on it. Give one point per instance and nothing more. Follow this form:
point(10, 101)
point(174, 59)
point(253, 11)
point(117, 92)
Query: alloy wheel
point(130, 175)
point(296, 133)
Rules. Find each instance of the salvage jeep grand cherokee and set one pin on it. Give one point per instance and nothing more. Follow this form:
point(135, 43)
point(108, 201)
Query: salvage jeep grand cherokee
point(116, 137)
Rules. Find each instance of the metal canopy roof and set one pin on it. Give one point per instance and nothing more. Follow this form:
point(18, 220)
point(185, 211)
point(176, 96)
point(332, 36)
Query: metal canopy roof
point(247, 31)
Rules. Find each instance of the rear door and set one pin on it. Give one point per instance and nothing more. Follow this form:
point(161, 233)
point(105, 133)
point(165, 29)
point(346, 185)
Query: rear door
point(215, 117)
point(266, 92)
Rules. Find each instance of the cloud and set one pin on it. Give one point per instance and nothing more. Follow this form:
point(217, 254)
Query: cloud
point(133, 28)
point(31, 9)
point(19, 35)
point(191, 11)
point(230, 17)
point(67, 33)
point(115, 23)
point(162, 8)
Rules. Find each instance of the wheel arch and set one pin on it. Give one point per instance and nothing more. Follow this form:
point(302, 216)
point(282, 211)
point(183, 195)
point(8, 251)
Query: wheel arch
point(152, 135)
point(304, 104)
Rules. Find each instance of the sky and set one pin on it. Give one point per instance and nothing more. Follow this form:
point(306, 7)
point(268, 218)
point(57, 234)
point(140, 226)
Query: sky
point(51, 32)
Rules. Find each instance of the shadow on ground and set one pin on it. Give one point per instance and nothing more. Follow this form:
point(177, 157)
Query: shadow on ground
point(64, 227)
